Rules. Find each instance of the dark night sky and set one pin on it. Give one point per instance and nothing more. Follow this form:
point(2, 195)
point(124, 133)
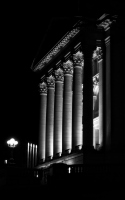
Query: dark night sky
point(23, 26)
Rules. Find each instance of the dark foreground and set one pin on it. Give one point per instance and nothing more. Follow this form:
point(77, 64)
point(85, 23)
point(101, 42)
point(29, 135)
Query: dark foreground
point(16, 183)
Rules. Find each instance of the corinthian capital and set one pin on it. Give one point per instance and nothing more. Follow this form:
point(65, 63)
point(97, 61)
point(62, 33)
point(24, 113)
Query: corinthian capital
point(97, 53)
point(59, 76)
point(43, 88)
point(68, 67)
point(78, 59)
point(50, 81)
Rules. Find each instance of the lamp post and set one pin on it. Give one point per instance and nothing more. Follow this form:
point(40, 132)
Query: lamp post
point(12, 143)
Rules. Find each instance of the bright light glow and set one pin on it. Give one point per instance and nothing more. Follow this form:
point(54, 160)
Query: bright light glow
point(69, 170)
point(12, 142)
point(5, 161)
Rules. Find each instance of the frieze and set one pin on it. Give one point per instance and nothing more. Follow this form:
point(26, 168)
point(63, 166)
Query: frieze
point(57, 48)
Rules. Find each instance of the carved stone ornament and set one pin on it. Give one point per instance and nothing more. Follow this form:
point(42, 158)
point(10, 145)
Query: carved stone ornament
point(78, 59)
point(96, 84)
point(50, 81)
point(57, 48)
point(59, 75)
point(96, 79)
point(68, 67)
point(43, 88)
point(105, 24)
point(97, 53)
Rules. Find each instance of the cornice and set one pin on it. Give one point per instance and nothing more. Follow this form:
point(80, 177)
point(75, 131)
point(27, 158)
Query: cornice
point(56, 49)
point(106, 22)
point(102, 24)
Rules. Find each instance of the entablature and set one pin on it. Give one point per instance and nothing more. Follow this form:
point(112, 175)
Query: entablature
point(81, 29)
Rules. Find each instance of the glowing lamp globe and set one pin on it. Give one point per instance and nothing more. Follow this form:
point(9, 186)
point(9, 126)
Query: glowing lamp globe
point(12, 143)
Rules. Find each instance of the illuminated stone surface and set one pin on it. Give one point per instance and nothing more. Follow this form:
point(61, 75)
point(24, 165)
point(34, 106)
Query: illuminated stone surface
point(67, 106)
point(50, 117)
point(58, 114)
point(77, 100)
point(42, 124)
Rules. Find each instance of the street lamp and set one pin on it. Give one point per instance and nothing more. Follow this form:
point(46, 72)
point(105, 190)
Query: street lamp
point(12, 143)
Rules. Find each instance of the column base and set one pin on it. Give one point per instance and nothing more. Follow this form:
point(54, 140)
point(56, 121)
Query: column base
point(41, 161)
point(97, 147)
point(78, 147)
point(49, 158)
point(58, 155)
point(67, 151)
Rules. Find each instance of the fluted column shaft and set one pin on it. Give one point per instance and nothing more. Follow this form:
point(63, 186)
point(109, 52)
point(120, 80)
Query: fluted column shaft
point(77, 100)
point(50, 117)
point(67, 106)
point(33, 151)
point(35, 155)
point(28, 155)
point(58, 112)
point(42, 128)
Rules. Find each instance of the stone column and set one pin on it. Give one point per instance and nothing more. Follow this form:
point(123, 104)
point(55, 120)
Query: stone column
point(88, 100)
point(67, 107)
point(42, 128)
point(95, 109)
point(33, 146)
point(77, 101)
point(107, 95)
point(50, 117)
point(28, 155)
point(58, 112)
point(100, 63)
point(35, 155)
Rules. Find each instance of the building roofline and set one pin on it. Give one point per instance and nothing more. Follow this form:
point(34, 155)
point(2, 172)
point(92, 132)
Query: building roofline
point(64, 41)
point(57, 48)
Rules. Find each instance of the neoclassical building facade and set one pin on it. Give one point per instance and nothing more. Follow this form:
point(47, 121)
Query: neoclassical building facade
point(76, 91)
